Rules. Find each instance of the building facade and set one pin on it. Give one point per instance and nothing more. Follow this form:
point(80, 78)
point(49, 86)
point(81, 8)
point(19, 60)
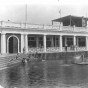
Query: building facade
point(20, 37)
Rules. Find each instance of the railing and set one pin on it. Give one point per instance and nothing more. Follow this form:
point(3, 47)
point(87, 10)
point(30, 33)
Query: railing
point(67, 28)
point(34, 50)
point(34, 26)
point(77, 49)
point(81, 48)
point(42, 27)
point(81, 29)
point(10, 24)
point(53, 49)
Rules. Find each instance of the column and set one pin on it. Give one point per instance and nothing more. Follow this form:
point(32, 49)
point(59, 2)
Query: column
point(37, 45)
point(3, 43)
point(87, 43)
point(60, 43)
point(74, 42)
point(52, 41)
point(22, 42)
point(26, 43)
point(77, 44)
point(44, 42)
point(7, 46)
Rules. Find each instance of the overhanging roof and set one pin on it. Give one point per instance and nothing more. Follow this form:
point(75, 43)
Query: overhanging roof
point(67, 18)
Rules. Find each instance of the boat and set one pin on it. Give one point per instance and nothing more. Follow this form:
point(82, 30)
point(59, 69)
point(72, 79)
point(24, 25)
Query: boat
point(82, 63)
point(82, 58)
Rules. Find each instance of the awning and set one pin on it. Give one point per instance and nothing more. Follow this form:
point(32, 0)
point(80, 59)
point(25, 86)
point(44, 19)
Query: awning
point(72, 20)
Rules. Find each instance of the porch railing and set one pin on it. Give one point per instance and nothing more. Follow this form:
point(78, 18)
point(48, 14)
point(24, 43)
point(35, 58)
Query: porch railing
point(54, 49)
point(34, 50)
point(81, 48)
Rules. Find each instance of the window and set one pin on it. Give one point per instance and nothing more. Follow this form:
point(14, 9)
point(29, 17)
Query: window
point(69, 41)
point(81, 42)
point(31, 41)
point(48, 42)
point(32, 38)
point(57, 42)
point(40, 41)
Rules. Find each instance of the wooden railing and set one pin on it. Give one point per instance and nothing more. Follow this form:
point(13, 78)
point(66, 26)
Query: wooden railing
point(42, 27)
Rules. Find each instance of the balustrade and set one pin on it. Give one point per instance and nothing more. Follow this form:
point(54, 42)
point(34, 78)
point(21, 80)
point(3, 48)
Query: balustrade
point(11, 24)
point(42, 27)
point(80, 29)
point(34, 26)
point(67, 28)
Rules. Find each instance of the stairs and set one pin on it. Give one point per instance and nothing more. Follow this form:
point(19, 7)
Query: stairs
point(9, 60)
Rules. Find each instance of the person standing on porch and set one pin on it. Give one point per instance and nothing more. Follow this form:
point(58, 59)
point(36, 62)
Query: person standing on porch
point(66, 46)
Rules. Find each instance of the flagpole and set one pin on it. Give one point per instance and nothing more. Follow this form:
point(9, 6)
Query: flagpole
point(26, 14)
point(60, 13)
point(86, 15)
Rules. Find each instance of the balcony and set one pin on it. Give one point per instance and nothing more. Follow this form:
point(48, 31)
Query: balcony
point(28, 26)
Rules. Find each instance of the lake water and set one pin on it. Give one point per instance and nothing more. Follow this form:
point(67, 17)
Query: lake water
point(44, 74)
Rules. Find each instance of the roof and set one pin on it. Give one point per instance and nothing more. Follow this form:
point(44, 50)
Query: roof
point(67, 18)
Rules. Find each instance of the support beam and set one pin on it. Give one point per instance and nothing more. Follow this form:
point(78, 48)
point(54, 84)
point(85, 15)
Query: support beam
point(60, 43)
point(77, 41)
point(74, 42)
point(3, 43)
point(52, 41)
point(26, 43)
point(37, 41)
point(44, 42)
point(22, 42)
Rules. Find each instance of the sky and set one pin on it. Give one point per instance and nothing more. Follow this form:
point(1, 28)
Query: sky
point(41, 11)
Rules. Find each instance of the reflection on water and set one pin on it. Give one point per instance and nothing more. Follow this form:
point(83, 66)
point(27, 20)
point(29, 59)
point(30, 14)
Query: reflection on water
point(43, 74)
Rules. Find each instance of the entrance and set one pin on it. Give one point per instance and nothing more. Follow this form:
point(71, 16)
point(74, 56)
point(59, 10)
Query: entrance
point(13, 45)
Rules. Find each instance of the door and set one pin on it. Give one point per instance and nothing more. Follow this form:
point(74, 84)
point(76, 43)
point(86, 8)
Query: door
point(13, 45)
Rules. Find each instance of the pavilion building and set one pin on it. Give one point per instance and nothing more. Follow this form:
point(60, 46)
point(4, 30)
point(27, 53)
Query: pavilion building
point(71, 31)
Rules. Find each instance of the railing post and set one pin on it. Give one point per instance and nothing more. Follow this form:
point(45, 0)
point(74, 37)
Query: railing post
point(20, 25)
point(44, 27)
point(1, 23)
point(74, 27)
